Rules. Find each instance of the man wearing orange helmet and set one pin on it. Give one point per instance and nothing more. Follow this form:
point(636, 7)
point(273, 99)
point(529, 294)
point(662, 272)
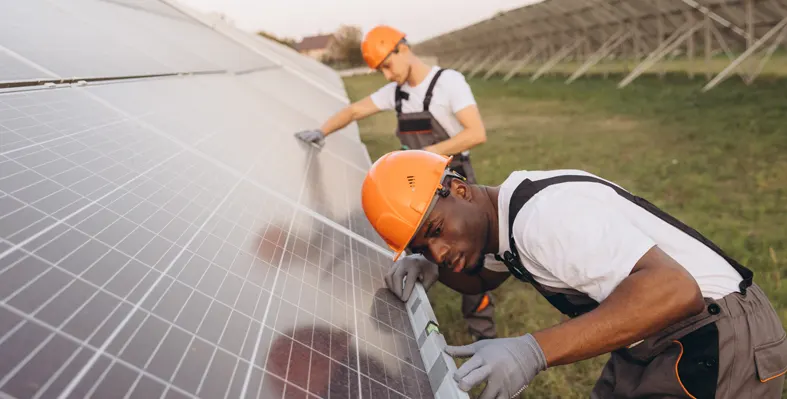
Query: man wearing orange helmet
point(436, 111)
point(680, 317)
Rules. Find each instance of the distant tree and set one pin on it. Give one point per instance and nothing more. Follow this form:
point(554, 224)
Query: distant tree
point(285, 40)
point(345, 50)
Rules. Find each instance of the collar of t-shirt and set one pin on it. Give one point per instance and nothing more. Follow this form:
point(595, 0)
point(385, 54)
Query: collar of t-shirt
point(423, 86)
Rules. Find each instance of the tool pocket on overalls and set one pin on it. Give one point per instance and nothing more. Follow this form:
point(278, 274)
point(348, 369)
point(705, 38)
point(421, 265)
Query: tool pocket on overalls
point(697, 364)
point(416, 130)
point(771, 359)
point(768, 338)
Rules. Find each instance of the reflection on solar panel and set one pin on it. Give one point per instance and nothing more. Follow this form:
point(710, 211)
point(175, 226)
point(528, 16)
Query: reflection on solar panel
point(166, 236)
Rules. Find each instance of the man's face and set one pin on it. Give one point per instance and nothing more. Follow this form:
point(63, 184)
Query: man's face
point(396, 67)
point(455, 233)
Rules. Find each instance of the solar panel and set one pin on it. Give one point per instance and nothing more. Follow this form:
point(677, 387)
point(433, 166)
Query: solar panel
point(12, 68)
point(106, 39)
point(153, 6)
point(283, 55)
point(168, 237)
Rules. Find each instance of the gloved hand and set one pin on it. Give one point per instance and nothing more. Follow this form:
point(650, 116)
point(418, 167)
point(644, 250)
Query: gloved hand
point(509, 364)
point(315, 136)
point(414, 267)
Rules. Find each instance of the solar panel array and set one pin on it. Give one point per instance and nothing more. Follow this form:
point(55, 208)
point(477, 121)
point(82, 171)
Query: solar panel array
point(576, 37)
point(163, 234)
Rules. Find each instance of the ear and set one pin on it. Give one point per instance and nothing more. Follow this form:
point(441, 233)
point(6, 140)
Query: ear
point(460, 189)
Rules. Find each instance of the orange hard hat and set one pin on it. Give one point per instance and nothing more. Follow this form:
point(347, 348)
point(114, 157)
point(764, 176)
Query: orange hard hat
point(379, 43)
point(399, 191)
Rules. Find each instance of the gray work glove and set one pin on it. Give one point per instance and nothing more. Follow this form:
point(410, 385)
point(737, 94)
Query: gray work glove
point(314, 136)
point(509, 364)
point(414, 267)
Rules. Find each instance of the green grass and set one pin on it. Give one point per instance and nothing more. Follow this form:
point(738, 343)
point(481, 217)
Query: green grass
point(716, 160)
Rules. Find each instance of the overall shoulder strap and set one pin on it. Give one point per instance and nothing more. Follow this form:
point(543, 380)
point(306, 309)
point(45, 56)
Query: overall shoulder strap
point(398, 96)
point(528, 188)
point(428, 96)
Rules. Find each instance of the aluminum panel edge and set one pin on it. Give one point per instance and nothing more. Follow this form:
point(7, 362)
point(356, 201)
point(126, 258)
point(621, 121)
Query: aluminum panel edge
point(431, 342)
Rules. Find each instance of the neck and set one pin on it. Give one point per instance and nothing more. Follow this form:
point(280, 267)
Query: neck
point(488, 202)
point(418, 72)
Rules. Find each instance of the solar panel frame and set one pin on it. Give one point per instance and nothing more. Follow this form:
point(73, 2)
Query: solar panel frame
point(14, 68)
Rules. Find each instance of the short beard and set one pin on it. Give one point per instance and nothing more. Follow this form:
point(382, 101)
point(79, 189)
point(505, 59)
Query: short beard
point(477, 267)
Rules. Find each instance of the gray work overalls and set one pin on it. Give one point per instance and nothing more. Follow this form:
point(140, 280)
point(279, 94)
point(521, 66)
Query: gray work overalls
point(417, 130)
point(736, 348)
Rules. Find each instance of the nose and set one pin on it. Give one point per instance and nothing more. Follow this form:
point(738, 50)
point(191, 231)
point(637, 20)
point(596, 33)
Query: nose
point(439, 250)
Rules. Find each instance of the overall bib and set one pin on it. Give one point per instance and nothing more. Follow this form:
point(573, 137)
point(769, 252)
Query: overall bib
point(417, 130)
point(736, 348)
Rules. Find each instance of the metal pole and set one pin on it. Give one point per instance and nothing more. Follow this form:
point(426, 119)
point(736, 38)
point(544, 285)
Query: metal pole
point(655, 57)
point(521, 64)
point(614, 41)
point(723, 74)
point(559, 55)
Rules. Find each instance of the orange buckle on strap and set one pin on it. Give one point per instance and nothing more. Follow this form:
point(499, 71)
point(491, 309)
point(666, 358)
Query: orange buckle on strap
point(484, 303)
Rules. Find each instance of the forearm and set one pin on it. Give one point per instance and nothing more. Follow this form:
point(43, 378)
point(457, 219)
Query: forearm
point(643, 304)
point(338, 120)
point(463, 141)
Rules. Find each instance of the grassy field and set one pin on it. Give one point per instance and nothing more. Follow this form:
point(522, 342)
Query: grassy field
point(716, 160)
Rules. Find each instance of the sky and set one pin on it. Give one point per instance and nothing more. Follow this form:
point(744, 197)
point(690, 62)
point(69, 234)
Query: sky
point(419, 19)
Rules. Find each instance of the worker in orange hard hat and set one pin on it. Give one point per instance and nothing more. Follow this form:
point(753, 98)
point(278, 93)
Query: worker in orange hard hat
point(436, 111)
point(679, 317)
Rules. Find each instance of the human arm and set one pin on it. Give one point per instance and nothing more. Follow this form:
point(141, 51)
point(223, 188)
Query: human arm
point(473, 134)
point(591, 247)
point(657, 293)
point(588, 244)
point(353, 112)
point(464, 107)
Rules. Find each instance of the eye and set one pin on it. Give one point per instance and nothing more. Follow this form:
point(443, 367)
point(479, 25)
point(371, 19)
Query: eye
point(437, 230)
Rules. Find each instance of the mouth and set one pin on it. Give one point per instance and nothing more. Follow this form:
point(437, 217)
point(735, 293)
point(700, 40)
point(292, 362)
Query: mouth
point(458, 263)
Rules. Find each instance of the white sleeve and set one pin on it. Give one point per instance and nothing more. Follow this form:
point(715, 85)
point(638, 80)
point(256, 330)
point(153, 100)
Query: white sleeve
point(460, 95)
point(383, 98)
point(585, 243)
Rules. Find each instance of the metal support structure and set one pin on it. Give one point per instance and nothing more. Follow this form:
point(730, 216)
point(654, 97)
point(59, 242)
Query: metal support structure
point(502, 61)
point(749, 23)
point(611, 44)
point(660, 30)
point(523, 62)
point(749, 51)
point(469, 63)
point(708, 47)
point(464, 62)
point(690, 45)
point(725, 48)
point(562, 53)
point(768, 53)
point(460, 61)
point(659, 53)
point(492, 55)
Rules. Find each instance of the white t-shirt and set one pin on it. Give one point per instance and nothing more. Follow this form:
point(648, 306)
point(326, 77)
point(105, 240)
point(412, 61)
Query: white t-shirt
point(450, 95)
point(583, 235)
